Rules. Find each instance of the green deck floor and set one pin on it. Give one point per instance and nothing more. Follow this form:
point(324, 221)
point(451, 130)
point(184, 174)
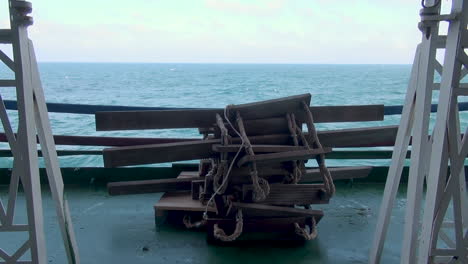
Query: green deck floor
point(121, 229)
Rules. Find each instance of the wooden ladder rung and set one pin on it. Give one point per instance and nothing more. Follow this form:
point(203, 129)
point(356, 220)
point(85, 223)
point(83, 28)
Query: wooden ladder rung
point(257, 148)
point(150, 186)
point(251, 209)
point(282, 156)
point(290, 194)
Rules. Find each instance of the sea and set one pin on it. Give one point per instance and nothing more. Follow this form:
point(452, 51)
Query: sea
point(207, 86)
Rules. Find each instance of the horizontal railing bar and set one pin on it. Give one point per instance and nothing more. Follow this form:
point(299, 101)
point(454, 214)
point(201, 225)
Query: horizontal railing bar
point(88, 109)
point(7, 83)
point(92, 109)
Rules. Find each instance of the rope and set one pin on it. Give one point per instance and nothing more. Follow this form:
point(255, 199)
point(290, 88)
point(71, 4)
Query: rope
point(324, 172)
point(188, 223)
point(221, 235)
point(296, 176)
point(222, 168)
point(261, 188)
point(309, 234)
point(221, 187)
point(205, 214)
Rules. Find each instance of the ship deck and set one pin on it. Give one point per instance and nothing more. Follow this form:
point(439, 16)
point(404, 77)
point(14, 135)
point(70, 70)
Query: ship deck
point(121, 229)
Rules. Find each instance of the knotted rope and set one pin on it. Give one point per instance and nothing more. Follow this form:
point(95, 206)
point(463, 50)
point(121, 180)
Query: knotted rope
point(189, 224)
point(309, 234)
point(313, 138)
point(221, 235)
point(296, 176)
point(220, 181)
point(261, 188)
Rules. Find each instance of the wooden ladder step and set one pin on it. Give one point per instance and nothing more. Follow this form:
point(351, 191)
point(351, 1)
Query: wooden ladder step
point(257, 148)
point(263, 210)
point(204, 118)
point(282, 156)
point(181, 201)
point(271, 108)
point(150, 186)
point(290, 194)
point(192, 150)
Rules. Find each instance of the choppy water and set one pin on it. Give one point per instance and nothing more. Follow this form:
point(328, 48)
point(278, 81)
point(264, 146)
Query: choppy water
point(209, 85)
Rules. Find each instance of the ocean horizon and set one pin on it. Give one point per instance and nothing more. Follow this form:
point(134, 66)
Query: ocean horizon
point(207, 85)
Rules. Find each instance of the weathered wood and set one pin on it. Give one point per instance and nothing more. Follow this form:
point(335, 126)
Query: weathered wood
point(263, 210)
point(187, 175)
point(276, 174)
point(290, 194)
point(266, 126)
point(282, 156)
point(159, 153)
point(313, 175)
point(203, 118)
point(181, 201)
point(257, 148)
point(150, 186)
point(359, 137)
point(350, 113)
point(270, 108)
point(386, 139)
point(108, 141)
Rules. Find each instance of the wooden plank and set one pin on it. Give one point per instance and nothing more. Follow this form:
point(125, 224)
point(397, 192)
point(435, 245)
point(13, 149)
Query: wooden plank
point(255, 209)
point(350, 113)
point(313, 175)
point(188, 175)
point(150, 186)
point(359, 137)
point(274, 125)
point(290, 194)
point(270, 108)
point(202, 118)
point(386, 138)
point(277, 173)
point(160, 153)
point(282, 156)
point(108, 141)
point(256, 148)
point(181, 201)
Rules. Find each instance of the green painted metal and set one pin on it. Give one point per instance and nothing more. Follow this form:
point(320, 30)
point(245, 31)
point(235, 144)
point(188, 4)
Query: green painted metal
point(100, 176)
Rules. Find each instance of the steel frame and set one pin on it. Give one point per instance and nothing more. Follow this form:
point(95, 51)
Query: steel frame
point(431, 155)
point(33, 118)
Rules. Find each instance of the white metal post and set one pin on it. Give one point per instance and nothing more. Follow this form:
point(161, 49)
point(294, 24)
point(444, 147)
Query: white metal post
point(33, 118)
point(431, 157)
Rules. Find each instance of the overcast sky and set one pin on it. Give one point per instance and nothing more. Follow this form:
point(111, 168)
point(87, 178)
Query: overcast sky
point(233, 31)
